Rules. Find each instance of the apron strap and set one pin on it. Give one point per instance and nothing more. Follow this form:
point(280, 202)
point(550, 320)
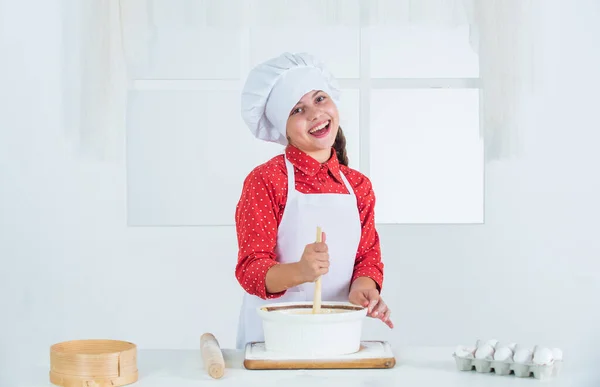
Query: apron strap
point(348, 186)
point(291, 178)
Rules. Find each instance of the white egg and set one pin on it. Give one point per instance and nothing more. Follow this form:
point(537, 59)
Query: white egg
point(523, 355)
point(542, 356)
point(465, 352)
point(503, 354)
point(511, 346)
point(557, 354)
point(485, 351)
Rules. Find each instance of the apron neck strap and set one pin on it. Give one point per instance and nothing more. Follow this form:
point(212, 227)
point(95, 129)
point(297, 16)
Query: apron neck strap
point(291, 177)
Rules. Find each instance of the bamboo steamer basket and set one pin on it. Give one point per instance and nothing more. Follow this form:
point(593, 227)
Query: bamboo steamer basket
point(93, 363)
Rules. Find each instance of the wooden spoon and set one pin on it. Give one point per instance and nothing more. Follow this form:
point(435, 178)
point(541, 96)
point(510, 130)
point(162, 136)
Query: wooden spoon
point(317, 296)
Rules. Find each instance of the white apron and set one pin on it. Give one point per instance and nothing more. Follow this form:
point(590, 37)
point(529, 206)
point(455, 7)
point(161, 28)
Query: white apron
point(338, 216)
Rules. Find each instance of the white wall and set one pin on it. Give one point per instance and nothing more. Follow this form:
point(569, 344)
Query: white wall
point(72, 269)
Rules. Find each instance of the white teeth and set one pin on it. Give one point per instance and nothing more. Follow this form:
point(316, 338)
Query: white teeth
point(319, 127)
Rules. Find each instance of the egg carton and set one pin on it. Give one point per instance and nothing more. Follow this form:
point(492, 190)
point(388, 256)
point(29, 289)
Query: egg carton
point(539, 362)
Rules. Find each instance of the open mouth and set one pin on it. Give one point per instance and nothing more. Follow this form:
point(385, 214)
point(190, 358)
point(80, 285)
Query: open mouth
point(321, 130)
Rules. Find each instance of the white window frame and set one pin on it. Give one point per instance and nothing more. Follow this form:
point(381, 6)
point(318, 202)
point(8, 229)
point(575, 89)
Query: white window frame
point(365, 84)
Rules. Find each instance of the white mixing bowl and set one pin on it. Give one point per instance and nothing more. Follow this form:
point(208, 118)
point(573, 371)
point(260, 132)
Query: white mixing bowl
point(291, 328)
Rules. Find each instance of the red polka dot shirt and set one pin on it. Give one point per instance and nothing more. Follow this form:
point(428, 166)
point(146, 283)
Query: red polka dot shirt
point(265, 187)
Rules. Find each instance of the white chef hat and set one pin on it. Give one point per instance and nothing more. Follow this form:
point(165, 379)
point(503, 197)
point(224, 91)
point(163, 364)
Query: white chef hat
point(275, 86)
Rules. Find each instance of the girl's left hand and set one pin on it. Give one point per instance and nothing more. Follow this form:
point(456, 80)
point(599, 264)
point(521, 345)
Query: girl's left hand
point(370, 299)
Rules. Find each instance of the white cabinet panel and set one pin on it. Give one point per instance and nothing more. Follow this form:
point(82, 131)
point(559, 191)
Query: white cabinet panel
point(188, 153)
point(426, 156)
point(422, 52)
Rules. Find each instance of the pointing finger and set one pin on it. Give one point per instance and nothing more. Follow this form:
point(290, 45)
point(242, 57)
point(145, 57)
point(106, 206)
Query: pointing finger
point(380, 309)
point(372, 305)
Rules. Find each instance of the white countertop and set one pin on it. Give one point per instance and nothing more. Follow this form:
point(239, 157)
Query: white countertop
point(431, 367)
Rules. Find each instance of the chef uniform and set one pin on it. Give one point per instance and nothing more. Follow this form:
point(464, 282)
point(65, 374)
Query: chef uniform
point(270, 92)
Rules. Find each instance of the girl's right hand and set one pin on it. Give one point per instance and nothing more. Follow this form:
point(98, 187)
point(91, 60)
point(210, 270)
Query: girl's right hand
point(314, 261)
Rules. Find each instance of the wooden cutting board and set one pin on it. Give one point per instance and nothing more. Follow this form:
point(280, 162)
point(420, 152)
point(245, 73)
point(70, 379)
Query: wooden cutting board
point(372, 354)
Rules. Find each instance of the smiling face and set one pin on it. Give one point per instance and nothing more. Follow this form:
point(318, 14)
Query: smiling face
point(313, 124)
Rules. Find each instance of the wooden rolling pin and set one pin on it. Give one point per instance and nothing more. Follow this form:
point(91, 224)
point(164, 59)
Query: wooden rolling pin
point(317, 295)
point(212, 355)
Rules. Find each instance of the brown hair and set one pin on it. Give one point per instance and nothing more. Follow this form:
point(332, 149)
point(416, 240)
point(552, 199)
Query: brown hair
point(340, 147)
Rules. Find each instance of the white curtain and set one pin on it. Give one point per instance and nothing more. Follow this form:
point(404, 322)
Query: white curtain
point(94, 77)
point(111, 37)
point(503, 32)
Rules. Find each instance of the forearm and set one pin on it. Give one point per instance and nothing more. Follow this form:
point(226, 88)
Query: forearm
point(363, 283)
point(283, 276)
point(255, 233)
point(368, 267)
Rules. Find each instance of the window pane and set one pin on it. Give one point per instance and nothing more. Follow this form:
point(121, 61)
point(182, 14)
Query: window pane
point(191, 53)
point(426, 156)
point(422, 52)
point(305, 14)
point(348, 111)
point(179, 39)
point(188, 153)
point(216, 13)
point(338, 47)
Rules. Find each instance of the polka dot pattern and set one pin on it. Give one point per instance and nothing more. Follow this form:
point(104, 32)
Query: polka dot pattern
point(262, 203)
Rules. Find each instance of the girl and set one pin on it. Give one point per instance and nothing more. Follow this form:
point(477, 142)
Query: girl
point(292, 100)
